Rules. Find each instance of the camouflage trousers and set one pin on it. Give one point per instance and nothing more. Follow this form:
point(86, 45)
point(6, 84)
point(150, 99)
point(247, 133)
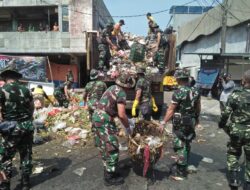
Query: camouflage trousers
point(182, 148)
point(104, 56)
point(159, 58)
point(106, 139)
point(20, 139)
point(239, 138)
point(61, 98)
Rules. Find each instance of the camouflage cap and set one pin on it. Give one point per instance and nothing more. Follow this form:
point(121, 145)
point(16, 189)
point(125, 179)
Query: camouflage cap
point(10, 71)
point(94, 74)
point(181, 74)
point(125, 81)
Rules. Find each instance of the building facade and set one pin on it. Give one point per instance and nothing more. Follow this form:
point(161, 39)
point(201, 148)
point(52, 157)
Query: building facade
point(54, 28)
point(200, 40)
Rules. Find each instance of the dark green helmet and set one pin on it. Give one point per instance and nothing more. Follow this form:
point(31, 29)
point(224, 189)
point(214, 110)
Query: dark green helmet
point(94, 74)
point(125, 81)
point(181, 74)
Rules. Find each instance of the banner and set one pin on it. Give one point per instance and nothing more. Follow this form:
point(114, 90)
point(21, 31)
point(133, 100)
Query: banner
point(32, 68)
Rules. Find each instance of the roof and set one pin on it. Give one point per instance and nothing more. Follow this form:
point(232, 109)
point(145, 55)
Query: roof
point(188, 9)
point(209, 22)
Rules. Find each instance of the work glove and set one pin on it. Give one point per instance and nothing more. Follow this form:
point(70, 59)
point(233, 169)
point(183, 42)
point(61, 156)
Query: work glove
point(135, 104)
point(154, 106)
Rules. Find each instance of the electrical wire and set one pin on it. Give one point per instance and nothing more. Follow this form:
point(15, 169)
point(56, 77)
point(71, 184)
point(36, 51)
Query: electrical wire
point(122, 16)
point(228, 11)
point(200, 22)
point(199, 3)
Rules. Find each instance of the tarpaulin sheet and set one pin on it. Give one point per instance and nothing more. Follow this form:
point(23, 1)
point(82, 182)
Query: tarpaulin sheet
point(207, 77)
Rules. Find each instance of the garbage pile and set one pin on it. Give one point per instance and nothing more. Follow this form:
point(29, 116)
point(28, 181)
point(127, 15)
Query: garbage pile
point(72, 124)
point(145, 144)
point(127, 61)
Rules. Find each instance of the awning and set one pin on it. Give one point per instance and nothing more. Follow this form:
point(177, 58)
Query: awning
point(207, 77)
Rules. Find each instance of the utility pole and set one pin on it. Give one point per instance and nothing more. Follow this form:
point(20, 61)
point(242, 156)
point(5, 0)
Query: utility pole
point(224, 26)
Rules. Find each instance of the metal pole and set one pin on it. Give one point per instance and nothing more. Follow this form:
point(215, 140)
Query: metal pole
point(224, 26)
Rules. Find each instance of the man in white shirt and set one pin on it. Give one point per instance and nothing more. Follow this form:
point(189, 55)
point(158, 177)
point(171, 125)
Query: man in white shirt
point(228, 87)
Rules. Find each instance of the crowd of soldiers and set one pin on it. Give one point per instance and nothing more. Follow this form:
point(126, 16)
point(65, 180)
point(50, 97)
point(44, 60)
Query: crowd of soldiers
point(106, 103)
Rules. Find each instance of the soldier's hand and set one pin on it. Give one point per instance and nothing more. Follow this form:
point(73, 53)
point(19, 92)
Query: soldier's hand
point(161, 128)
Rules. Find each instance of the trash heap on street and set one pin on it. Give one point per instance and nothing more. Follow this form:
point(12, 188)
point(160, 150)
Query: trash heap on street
point(145, 144)
point(70, 123)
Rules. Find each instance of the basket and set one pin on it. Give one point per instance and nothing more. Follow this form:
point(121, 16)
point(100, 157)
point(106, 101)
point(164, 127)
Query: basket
point(136, 148)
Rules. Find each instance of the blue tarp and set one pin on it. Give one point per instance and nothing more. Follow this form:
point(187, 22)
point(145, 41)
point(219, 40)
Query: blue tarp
point(207, 77)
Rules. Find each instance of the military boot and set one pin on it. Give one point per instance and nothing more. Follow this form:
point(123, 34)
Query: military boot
point(178, 171)
point(234, 181)
point(5, 186)
point(112, 178)
point(25, 182)
point(246, 186)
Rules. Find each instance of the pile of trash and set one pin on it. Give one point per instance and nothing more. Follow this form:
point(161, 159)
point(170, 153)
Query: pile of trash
point(72, 123)
point(128, 60)
point(145, 144)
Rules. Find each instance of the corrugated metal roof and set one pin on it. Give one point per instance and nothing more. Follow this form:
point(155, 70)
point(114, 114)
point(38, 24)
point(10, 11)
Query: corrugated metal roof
point(209, 22)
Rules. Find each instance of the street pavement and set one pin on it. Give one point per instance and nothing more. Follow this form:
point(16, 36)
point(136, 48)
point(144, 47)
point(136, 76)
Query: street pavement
point(80, 168)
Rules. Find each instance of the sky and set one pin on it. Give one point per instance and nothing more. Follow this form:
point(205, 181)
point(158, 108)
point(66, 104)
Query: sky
point(138, 25)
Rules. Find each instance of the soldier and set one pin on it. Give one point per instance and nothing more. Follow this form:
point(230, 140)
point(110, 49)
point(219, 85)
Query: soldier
point(93, 91)
point(70, 77)
point(16, 128)
point(237, 115)
point(157, 46)
point(184, 112)
point(112, 104)
point(143, 96)
point(61, 95)
point(104, 47)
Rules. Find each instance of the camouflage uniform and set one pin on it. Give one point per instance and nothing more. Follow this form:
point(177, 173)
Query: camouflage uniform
point(70, 77)
point(104, 51)
point(61, 97)
point(145, 101)
point(159, 56)
point(105, 128)
point(186, 98)
point(238, 110)
point(17, 105)
point(94, 90)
